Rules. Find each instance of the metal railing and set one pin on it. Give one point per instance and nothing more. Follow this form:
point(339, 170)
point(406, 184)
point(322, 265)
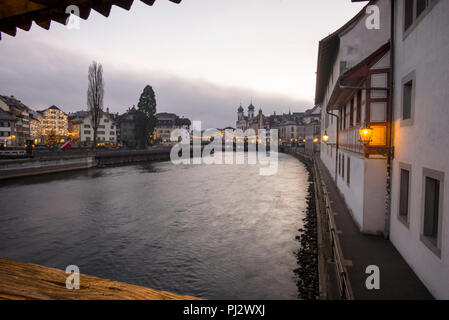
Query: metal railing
point(336, 251)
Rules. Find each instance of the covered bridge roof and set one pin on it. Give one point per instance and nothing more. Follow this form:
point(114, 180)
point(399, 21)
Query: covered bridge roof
point(21, 13)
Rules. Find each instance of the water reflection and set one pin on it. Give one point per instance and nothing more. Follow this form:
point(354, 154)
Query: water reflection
point(219, 232)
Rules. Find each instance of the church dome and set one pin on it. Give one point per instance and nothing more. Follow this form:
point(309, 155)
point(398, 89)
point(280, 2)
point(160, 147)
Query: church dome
point(240, 109)
point(251, 107)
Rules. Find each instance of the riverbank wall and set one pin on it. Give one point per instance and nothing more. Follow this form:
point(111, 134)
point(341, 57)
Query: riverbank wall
point(317, 262)
point(60, 162)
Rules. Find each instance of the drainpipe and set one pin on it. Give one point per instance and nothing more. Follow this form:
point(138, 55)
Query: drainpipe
point(390, 120)
point(337, 144)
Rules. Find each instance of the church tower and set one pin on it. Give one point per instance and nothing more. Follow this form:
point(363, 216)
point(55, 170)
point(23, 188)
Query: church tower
point(251, 109)
point(240, 113)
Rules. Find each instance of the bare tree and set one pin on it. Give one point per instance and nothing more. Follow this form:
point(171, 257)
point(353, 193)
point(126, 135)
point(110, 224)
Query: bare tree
point(95, 93)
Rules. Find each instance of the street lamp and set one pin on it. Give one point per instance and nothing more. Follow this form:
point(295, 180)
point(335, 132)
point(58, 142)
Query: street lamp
point(366, 134)
point(326, 136)
point(315, 140)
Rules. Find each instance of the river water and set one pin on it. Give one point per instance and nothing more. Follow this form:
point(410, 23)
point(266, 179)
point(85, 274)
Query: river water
point(212, 231)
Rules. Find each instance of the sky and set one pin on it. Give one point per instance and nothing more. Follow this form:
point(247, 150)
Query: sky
point(202, 57)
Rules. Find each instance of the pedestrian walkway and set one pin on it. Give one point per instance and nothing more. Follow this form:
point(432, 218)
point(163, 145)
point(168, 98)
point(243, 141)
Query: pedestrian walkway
point(397, 279)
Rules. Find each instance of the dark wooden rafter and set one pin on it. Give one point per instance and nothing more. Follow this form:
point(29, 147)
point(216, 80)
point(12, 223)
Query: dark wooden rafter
point(21, 13)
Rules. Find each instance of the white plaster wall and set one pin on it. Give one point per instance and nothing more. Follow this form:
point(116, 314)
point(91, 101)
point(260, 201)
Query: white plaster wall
point(360, 42)
point(374, 196)
point(425, 144)
point(107, 129)
point(354, 192)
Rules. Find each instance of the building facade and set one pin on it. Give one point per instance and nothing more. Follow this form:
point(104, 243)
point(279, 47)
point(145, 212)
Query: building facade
point(389, 144)
point(419, 226)
point(251, 121)
point(166, 123)
point(81, 129)
point(54, 119)
point(21, 113)
point(36, 127)
point(7, 125)
point(344, 70)
point(127, 128)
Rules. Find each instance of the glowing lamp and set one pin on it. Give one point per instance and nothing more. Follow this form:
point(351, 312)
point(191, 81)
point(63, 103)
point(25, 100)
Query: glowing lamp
point(315, 140)
point(325, 137)
point(366, 135)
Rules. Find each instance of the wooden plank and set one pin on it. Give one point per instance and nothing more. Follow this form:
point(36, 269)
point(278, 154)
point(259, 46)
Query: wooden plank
point(25, 281)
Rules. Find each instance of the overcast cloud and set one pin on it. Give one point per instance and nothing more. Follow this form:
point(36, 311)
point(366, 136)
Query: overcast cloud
point(201, 57)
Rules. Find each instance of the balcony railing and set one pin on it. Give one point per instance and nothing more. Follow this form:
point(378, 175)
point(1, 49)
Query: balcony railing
point(349, 139)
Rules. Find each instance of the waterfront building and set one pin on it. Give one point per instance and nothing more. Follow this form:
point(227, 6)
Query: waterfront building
point(81, 128)
point(312, 130)
point(6, 128)
point(252, 121)
point(36, 127)
point(419, 226)
point(21, 113)
point(127, 128)
point(381, 149)
point(54, 119)
point(166, 123)
point(344, 69)
point(291, 126)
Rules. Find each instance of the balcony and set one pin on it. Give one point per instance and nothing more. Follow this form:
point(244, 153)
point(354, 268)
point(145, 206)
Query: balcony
point(349, 139)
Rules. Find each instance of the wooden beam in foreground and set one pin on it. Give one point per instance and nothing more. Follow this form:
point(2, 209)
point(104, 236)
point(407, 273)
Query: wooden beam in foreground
point(26, 281)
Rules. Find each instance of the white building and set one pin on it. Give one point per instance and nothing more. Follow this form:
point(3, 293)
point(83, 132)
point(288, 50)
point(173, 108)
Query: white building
point(106, 132)
point(359, 58)
point(417, 221)
point(419, 226)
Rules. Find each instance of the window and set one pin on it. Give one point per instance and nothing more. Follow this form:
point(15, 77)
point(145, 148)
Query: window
point(433, 182)
point(359, 107)
point(420, 7)
point(86, 131)
point(414, 9)
point(432, 199)
point(404, 192)
point(342, 166)
point(339, 163)
point(87, 126)
point(408, 14)
point(351, 114)
point(408, 99)
point(101, 127)
point(348, 171)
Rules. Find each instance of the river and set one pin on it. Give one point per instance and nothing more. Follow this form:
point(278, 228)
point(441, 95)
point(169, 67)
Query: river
point(212, 231)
